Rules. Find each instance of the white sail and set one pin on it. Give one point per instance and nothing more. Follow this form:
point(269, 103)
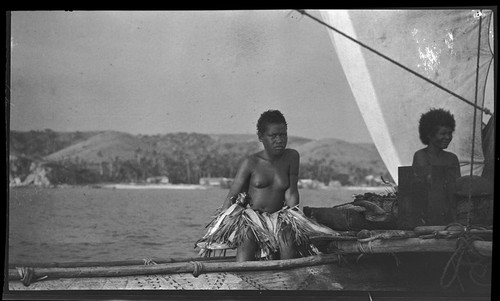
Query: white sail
point(442, 46)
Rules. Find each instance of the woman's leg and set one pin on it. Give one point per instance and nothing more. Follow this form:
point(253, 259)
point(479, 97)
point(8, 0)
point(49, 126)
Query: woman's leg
point(288, 247)
point(247, 249)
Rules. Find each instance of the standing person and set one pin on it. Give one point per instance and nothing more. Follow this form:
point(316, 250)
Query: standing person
point(260, 215)
point(436, 129)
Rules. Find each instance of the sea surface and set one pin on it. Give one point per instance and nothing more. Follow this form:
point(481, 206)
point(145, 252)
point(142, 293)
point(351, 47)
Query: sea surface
point(83, 224)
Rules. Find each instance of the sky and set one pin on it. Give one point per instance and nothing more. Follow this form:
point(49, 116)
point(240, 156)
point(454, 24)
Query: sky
point(158, 72)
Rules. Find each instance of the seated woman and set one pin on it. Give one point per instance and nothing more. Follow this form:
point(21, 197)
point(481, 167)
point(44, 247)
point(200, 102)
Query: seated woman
point(436, 129)
point(260, 215)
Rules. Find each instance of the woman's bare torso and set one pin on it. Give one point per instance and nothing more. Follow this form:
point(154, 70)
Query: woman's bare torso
point(268, 183)
point(423, 161)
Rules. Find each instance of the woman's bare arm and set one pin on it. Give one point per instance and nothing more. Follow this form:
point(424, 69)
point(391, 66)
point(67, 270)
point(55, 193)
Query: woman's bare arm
point(292, 193)
point(240, 183)
point(421, 164)
point(456, 165)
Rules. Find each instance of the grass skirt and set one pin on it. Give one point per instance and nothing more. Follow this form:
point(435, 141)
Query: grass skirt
point(231, 226)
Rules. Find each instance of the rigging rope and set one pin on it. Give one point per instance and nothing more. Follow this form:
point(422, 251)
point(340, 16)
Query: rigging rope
point(26, 275)
point(485, 110)
point(474, 120)
point(466, 255)
point(198, 268)
point(149, 261)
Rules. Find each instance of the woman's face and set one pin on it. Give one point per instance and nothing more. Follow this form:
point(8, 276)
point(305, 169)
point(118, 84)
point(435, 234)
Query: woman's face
point(275, 138)
point(442, 137)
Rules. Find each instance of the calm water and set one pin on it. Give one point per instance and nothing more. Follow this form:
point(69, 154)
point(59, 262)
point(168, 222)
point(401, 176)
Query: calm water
point(86, 224)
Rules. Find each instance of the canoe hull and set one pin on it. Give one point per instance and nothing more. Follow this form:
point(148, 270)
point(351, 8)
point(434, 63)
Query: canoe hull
point(405, 272)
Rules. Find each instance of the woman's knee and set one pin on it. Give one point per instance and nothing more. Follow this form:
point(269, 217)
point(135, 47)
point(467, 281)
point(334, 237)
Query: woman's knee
point(247, 248)
point(286, 235)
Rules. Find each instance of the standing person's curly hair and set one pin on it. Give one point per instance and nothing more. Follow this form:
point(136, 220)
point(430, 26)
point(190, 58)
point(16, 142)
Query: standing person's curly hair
point(269, 117)
point(431, 120)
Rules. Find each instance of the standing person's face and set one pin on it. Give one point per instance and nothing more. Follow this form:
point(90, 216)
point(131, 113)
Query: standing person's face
point(442, 137)
point(275, 138)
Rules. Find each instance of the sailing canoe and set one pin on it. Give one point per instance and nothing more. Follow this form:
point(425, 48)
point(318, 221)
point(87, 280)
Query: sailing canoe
point(405, 265)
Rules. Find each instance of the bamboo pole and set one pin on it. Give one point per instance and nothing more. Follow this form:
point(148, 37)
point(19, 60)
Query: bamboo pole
point(405, 245)
point(175, 268)
point(422, 230)
point(119, 263)
point(210, 266)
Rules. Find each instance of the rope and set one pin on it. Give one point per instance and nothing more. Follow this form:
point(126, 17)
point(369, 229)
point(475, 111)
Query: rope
point(198, 268)
point(474, 275)
point(463, 251)
point(149, 261)
point(396, 258)
point(347, 216)
point(26, 274)
point(341, 259)
point(361, 249)
point(485, 110)
point(371, 238)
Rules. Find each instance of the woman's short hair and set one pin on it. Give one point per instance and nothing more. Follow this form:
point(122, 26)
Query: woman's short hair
point(430, 120)
point(269, 117)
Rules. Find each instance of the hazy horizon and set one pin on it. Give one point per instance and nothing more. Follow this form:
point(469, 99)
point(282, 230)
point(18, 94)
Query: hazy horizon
point(154, 72)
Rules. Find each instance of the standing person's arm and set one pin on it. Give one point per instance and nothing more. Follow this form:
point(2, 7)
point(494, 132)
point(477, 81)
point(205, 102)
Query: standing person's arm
point(421, 165)
point(456, 166)
point(240, 183)
point(292, 193)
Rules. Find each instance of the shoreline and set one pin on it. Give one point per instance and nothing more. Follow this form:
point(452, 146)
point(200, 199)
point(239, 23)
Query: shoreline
point(152, 186)
point(376, 188)
point(190, 187)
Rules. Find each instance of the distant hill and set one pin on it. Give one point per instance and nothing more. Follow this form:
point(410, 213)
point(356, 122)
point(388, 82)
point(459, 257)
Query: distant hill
point(104, 146)
point(185, 157)
point(38, 144)
point(338, 150)
point(109, 145)
point(346, 162)
point(234, 138)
